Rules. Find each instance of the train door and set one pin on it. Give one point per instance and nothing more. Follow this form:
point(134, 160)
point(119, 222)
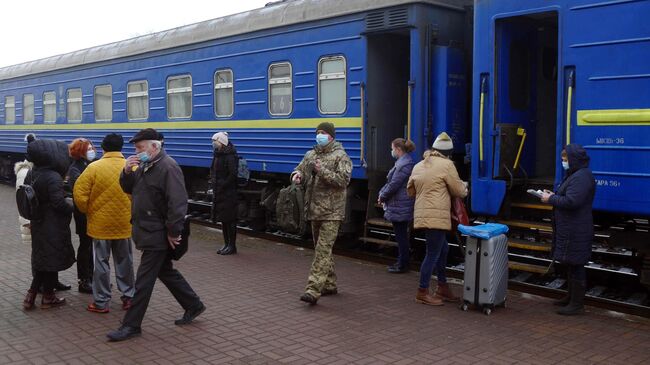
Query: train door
point(387, 95)
point(526, 99)
point(387, 115)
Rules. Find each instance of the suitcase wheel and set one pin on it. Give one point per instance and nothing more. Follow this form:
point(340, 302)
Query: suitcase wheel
point(487, 311)
point(463, 307)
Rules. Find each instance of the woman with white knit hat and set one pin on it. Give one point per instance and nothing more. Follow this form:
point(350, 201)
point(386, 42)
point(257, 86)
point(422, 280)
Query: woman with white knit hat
point(433, 182)
point(223, 174)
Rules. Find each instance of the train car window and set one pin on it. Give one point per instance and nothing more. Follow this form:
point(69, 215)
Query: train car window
point(179, 97)
point(280, 89)
point(519, 75)
point(49, 107)
point(103, 103)
point(331, 85)
point(137, 96)
point(73, 106)
point(28, 108)
point(223, 93)
point(10, 109)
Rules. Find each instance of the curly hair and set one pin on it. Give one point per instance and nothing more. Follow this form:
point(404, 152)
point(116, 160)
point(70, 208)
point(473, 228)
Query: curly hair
point(78, 148)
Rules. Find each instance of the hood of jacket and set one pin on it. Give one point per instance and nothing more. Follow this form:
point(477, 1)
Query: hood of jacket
point(578, 158)
point(227, 150)
point(433, 153)
point(48, 153)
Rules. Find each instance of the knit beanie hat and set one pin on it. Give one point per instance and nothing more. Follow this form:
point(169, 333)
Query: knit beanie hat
point(443, 142)
point(327, 127)
point(221, 137)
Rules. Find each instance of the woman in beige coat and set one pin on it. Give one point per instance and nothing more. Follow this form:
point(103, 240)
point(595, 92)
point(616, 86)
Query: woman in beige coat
point(433, 182)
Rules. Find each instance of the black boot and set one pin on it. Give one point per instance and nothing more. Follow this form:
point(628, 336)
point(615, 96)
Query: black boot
point(85, 286)
point(576, 303)
point(231, 247)
point(225, 229)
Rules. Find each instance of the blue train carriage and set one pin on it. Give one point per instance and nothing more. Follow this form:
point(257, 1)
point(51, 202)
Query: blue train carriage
point(377, 69)
point(547, 73)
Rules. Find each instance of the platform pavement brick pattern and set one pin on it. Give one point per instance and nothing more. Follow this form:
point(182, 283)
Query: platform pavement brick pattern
point(254, 317)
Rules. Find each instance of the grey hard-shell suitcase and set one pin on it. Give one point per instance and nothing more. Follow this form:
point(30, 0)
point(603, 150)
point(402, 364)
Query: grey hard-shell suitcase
point(486, 272)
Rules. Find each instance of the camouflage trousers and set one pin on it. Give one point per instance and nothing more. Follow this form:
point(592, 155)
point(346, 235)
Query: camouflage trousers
point(321, 275)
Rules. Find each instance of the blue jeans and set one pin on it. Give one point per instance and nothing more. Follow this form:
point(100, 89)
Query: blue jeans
point(401, 230)
point(436, 241)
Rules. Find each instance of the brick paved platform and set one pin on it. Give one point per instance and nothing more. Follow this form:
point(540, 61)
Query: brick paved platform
point(254, 317)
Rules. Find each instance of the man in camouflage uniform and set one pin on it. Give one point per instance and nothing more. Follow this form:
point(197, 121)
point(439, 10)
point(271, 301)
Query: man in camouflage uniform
point(325, 172)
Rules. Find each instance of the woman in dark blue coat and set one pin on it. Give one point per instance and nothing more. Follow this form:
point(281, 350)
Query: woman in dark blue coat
point(573, 225)
point(398, 205)
point(223, 172)
point(52, 249)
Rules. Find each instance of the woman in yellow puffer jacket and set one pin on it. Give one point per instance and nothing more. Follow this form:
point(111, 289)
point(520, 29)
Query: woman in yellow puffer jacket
point(433, 182)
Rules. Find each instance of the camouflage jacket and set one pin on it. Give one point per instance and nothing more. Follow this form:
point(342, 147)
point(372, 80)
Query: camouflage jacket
point(325, 191)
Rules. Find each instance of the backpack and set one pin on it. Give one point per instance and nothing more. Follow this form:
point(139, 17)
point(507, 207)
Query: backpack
point(26, 199)
point(243, 173)
point(289, 210)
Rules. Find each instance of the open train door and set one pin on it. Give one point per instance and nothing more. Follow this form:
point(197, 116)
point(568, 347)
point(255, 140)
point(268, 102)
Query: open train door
point(519, 140)
point(526, 104)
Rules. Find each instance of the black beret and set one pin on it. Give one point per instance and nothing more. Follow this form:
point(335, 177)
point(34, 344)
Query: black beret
point(148, 134)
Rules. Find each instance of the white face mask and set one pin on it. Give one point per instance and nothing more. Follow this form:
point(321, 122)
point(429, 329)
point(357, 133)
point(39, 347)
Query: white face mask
point(90, 155)
point(565, 165)
point(216, 145)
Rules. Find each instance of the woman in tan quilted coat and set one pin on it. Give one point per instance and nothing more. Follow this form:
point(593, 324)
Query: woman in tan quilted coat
point(433, 182)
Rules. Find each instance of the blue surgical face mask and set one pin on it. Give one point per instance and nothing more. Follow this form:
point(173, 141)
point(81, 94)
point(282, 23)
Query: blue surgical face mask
point(393, 154)
point(322, 139)
point(565, 165)
point(90, 155)
point(143, 156)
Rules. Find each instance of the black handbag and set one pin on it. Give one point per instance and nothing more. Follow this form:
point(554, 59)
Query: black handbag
point(183, 246)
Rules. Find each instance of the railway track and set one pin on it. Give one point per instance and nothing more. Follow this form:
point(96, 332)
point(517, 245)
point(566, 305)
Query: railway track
point(521, 277)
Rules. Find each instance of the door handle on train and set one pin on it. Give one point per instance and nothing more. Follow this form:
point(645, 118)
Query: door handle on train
point(363, 124)
point(570, 86)
point(480, 124)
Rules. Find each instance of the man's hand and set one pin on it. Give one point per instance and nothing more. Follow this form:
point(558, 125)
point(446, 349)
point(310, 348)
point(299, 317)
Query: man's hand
point(131, 163)
point(173, 241)
point(546, 195)
point(297, 178)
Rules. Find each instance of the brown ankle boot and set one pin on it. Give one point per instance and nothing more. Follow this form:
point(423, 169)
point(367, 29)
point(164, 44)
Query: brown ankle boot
point(423, 297)
point(444, 292)
point(30, 298)
point(50, 300)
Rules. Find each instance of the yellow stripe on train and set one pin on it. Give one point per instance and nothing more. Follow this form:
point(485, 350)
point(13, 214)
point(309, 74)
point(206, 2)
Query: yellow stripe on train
point(211, 124)
point(609, 117)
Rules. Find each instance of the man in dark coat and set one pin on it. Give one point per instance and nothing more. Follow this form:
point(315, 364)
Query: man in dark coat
point(573, 225)
point(159, 204)
point(52, 249)
point(223, 172)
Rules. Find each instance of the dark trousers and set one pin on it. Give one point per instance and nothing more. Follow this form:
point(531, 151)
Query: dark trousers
point(436, 242)
point(229, 230)
point(45, 278)
point(85, 257)
point(401, 230)
point(158, 264)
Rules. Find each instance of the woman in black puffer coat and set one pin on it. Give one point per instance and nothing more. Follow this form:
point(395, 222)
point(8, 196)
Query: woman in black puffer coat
point(573, 224)
point(223, 172)
point(52, 249)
